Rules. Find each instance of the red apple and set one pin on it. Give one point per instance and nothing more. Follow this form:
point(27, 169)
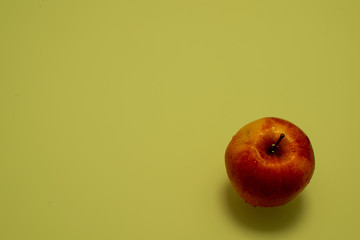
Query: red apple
point(269, 162)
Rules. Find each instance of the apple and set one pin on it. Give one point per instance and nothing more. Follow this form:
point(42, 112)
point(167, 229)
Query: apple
point(269, 162)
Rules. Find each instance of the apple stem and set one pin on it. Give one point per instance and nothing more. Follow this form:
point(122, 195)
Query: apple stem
point(274, 146)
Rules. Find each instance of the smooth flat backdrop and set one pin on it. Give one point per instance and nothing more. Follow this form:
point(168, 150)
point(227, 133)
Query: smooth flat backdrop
point(115, 116)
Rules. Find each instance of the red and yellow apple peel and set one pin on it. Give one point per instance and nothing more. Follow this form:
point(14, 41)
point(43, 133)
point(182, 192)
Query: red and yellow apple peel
point(269, 162)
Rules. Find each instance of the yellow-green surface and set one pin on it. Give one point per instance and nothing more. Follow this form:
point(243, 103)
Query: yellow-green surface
point(115, 116)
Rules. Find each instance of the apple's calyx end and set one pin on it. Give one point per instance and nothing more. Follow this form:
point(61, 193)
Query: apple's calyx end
point(274, 146)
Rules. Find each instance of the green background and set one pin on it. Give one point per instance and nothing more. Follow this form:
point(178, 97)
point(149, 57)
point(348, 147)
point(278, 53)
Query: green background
point(115, 116)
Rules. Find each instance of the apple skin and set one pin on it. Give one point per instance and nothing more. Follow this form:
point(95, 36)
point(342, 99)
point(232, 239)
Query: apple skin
point(265, 179)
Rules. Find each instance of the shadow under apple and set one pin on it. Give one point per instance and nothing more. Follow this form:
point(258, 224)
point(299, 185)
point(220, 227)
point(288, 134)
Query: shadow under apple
point(262, 219)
